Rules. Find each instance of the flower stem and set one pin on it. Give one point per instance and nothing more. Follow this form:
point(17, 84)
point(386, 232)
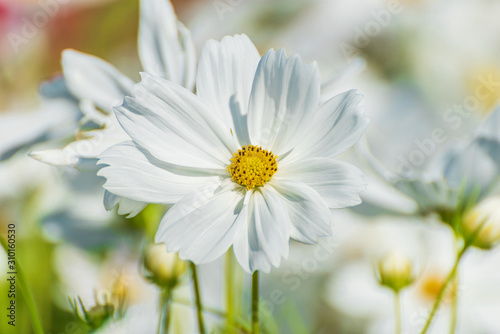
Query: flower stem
point(443, 289)
point(230, 292)
point(197, 295)
point(26, 292)
point(454, 306)
point(255, 303)
point(166, 301)
point(397, 312)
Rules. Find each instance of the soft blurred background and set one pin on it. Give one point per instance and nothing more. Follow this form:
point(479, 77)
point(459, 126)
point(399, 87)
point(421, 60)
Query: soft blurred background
point(417, 62)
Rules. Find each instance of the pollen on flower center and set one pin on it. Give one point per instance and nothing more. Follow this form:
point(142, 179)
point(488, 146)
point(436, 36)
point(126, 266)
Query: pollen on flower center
point(252, 166)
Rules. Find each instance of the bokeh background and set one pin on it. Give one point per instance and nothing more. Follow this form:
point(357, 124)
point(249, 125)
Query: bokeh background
point(413, 60)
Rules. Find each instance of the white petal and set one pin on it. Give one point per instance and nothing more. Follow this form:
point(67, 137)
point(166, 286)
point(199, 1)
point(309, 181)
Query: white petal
point(429, 193)
point(310, 216)
point(337, 182)
point(224, 82)
point(284, 98)
point(173, 125)
point(135, 174)
point(130, 207)
point(471, 165)
point(125, 206)
point(338, 124)
point(202, 225)
point(110, 200)
point(90, 146)
point(56, 157)
point(488, 136)
point(165, 46)
point(91, 78)
point(265, 230)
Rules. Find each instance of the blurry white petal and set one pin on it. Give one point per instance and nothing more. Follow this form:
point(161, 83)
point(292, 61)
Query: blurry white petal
point(309, 215)
point(173, 125)
point(94, 143)
point(284, 98)
point(56, 157)
point(430, 194)
point(488, 136)
point(471, 165)
point(337, 182)
point(135, 174)
point(91, 78)
point(265, 230)
point(203, 224)
point(224, 82)
point(165, 46)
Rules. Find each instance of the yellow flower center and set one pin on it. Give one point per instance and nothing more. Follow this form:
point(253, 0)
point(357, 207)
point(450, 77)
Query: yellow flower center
point(252, 166)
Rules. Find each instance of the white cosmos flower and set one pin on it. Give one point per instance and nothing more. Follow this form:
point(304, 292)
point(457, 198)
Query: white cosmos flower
point(439, 185)
point(165, 49)
point(248, 161)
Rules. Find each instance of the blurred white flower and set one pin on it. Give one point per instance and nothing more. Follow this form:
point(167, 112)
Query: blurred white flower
point(165, 49)
point(354, 292)
point(204, 154)
point(489, 136)
point(455, 170)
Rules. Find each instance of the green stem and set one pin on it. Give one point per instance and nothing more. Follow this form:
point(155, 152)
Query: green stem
point(443, 289)
point(454, 306)
point(166, 301)
point(230, 292)
point(197, 295)
point(255, 303)
point(26, 291)
point(454, 296)
point(397, 311)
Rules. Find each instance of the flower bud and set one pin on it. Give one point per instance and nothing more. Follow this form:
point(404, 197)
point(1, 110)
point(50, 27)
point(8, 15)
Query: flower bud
point(96, 316)
point(481, 225)
point(162, 268)
point(395, 271)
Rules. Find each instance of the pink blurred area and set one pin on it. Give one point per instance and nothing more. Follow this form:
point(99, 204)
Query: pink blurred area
point(33, 33)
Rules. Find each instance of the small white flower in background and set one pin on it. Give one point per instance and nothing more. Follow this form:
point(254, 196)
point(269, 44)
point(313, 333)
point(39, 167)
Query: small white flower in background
point(165, 49)
point(481, 225)
point(248, 162)
point(438, 187)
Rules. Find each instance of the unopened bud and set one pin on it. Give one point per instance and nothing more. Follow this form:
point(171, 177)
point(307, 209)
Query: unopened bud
point(161, 267)
point(96, 316)
point(395, 271)
point(481, 225)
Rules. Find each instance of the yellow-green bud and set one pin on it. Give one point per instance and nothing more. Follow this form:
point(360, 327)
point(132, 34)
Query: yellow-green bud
point(97, 315)
point(161, 267)
point(481, 224)
point(395, 271)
